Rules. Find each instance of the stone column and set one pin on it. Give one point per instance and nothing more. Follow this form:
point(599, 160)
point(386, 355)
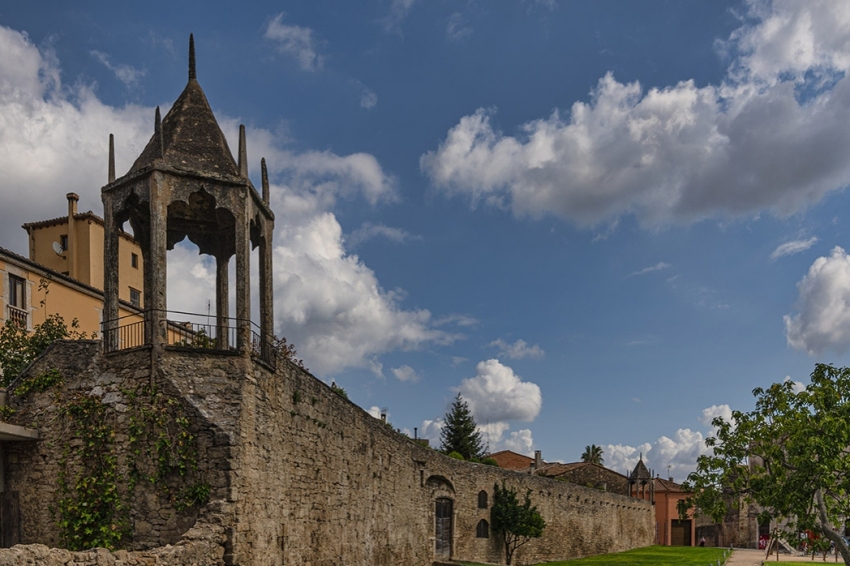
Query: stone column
point(155, 266)
point(110, 276)
point(266, 289)
point(222, 302)
point(243, 275)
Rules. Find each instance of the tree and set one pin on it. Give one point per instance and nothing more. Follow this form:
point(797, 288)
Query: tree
point(516, 524)
point(790, 456)
point(460, 433)
point(18, 348)
point(592, 454)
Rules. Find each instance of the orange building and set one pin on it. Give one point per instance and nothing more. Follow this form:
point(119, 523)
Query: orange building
point(64, 273)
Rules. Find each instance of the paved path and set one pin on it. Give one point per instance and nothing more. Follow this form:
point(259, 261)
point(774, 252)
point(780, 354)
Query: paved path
point(747, 557)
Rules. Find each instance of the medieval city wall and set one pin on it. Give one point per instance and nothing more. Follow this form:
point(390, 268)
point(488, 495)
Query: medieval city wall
point(297, 474)
point(322, 482)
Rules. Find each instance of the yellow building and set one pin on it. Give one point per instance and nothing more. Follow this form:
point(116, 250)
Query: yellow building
point(64, 273)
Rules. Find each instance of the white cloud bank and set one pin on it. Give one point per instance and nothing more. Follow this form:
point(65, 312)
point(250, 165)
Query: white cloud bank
point(497, 394)
point(679, 451)
point(823, 318)
point(54, 138)
point(682, 152)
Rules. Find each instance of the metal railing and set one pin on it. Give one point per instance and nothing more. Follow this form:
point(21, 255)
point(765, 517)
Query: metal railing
point(195, 331)
point(17, 316)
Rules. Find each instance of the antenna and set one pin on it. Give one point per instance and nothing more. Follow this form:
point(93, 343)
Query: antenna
point(57, 247)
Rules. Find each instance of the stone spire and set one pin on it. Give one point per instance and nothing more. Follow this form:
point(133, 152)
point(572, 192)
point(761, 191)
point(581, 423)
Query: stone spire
point(265, 180)
point(189, 137)
point(193, 75)
point(111, 174)
point(157, 132)
point(243, 153)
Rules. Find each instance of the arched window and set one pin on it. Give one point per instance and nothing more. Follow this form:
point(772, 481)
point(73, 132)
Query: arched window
point(483, 529)
point(482, 499)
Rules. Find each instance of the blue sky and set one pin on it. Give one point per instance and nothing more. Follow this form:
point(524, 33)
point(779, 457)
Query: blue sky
point(601, 222)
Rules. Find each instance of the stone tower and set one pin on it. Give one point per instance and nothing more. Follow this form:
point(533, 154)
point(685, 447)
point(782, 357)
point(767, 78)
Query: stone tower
point(641, 485)
point(186, 184)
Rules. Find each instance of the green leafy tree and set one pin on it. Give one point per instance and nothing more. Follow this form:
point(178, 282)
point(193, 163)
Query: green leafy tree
point(516, 523)
point(460, 433)
point(592, 454)
point(18, 347)
point(790, 456)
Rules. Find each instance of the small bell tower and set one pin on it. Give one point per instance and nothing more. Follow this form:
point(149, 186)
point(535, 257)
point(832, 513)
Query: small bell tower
point(186, 183)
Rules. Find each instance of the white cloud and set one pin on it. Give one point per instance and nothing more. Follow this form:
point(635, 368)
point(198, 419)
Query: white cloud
point(295, 41)
point(683, 152)
point(710, 413)
point(125, 73)
point(679, 452)
point(456, 28)
point(657, 267)
point(458, 319)
point(431, 430)
point(793, 247)
point(624, 458)
point(518, 350)
point(498, 436)
point(54, 138)
point(375, 411)
point(792, 38)
point(823, 318)
point(497, 394)
point(406, 373)
point(399, 9)
point(369, 231)
point(368, 98)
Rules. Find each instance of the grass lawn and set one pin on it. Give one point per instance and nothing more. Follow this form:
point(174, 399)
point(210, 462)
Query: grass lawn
point(649, 556)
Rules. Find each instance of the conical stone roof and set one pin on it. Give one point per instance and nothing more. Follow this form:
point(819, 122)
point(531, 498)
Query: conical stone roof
point(641, 472)
point(191, 137)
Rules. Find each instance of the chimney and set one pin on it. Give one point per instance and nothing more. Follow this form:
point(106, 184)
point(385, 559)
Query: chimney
point(71, 252)
point(538, 459)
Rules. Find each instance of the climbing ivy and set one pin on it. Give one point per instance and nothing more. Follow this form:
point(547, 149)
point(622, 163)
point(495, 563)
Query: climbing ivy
point(91, 511)
point(94, 506)
point(41, 382)
point(163, 450)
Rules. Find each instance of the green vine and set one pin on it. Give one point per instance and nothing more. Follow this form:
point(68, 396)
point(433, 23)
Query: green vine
point(41, 382)
point(163, 450)
point(94, 508)
point(91, 512)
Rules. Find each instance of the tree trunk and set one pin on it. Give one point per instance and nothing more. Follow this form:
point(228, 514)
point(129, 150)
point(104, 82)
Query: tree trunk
point(828, 531)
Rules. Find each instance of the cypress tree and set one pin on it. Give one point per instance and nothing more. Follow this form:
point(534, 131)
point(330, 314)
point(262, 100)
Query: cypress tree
point(460, 433)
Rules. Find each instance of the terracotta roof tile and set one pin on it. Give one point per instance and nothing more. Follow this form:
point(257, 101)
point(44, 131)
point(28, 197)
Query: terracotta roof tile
point(511, 460)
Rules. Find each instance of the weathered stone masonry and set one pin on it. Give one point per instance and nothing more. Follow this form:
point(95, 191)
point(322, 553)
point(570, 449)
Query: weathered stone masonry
point(298, 474)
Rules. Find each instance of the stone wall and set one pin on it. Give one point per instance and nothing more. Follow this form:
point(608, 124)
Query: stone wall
point(298, 474)
point(322, 482)
point(595, 476)
point(34, 469)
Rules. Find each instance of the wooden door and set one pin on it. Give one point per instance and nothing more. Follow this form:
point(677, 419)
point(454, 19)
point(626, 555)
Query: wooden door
point(443, 528)
point(680, 533)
